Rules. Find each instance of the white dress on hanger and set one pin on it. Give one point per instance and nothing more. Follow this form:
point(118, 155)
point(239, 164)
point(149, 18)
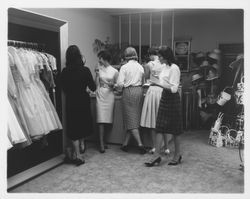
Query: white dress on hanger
point(42, 108)
point(50, 107)
point(15, 132)
point(26, 96)
point(13, 97)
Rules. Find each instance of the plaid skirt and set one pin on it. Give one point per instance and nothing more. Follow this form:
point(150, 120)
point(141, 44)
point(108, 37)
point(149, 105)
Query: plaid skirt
point(169, 118)
point(132, 100)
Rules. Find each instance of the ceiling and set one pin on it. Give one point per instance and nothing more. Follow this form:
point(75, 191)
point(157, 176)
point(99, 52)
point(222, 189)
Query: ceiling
point(122, 11)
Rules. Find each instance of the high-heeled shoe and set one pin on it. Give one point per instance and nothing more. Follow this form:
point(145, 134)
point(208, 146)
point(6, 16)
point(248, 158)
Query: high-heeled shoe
point(142, 149)
point(78, 162)
point(102, 149)
point(153, 162)
point(166, 152)
point(152, 151)
point(124, 148)
point(67, 160)
point(174, 162)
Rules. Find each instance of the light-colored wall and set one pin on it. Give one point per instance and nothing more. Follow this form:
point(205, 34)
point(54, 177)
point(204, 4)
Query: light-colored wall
point(85, 25)
point(208, 28)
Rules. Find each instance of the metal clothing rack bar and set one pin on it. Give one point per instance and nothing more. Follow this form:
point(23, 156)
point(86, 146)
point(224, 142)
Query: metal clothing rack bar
point(32, 45)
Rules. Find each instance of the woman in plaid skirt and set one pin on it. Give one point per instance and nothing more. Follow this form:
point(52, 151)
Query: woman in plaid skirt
point(169, 118)
point(153, 95)
point(130, 78)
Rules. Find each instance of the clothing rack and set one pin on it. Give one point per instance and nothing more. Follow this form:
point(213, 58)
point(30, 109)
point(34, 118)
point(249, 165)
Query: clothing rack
point(23, 44)
point(34, 46)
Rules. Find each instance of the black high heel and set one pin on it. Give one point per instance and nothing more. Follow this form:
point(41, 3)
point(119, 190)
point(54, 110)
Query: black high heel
point(154, 162)
point(174, 162)
point(102, 150)
point(124, 148)
point(142, 150)
point(78, 161)
point(67, 160)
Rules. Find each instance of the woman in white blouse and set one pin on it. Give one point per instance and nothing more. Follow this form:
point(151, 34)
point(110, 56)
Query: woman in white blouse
point(153, 95)
point(130, 78)
point(169, 118)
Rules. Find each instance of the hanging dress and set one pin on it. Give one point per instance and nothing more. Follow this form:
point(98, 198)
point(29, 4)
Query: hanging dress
point(14, 100)
point(15, 132)
point(40, 86)
point(42, 108)
point(28, 103)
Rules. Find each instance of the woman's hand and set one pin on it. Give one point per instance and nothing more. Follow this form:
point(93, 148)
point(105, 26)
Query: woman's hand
point(97, 71)
point(153, 82)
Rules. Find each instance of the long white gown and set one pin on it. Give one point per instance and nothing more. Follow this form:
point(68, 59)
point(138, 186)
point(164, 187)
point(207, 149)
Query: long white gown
point(15, 132)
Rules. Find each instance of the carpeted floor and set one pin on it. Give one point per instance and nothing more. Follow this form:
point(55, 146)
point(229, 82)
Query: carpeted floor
point(205, 169)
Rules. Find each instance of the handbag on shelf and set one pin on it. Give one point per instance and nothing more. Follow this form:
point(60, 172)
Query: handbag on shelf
point(233, 138)
point(223, 98)
point(215, 138)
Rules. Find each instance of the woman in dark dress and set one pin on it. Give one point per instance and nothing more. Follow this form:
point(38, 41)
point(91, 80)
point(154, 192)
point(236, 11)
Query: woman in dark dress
point(169, 118)
point(75, 78)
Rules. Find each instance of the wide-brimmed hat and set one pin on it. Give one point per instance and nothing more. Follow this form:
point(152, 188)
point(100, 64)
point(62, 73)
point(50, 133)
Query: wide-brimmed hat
point(212, 74)
point(214, 55)
point(196, 77)
point(215, 66)
point(217, 51)
point(200, 55)
point(204, 63)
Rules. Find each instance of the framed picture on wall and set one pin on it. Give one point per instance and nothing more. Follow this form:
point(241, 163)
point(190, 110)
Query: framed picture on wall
point(182, 54)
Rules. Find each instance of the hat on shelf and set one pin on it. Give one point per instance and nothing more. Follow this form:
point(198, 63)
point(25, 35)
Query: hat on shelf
point(204, 63)
point(240, 56)
point(217, 51)
point(199, 58)
point(212, 74)
point(200, 55)
point(196, 77)
point(214, 55)
point(216, 66)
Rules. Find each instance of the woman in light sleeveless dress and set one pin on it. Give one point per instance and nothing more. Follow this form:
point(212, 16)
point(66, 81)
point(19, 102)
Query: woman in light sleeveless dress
point(106, 77)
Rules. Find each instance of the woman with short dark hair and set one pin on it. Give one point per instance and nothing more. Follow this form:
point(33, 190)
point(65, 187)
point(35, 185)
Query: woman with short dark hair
point(106, 77)
point(75, 78)
point(152, 97)
point(131, 77)
point(169, 118)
